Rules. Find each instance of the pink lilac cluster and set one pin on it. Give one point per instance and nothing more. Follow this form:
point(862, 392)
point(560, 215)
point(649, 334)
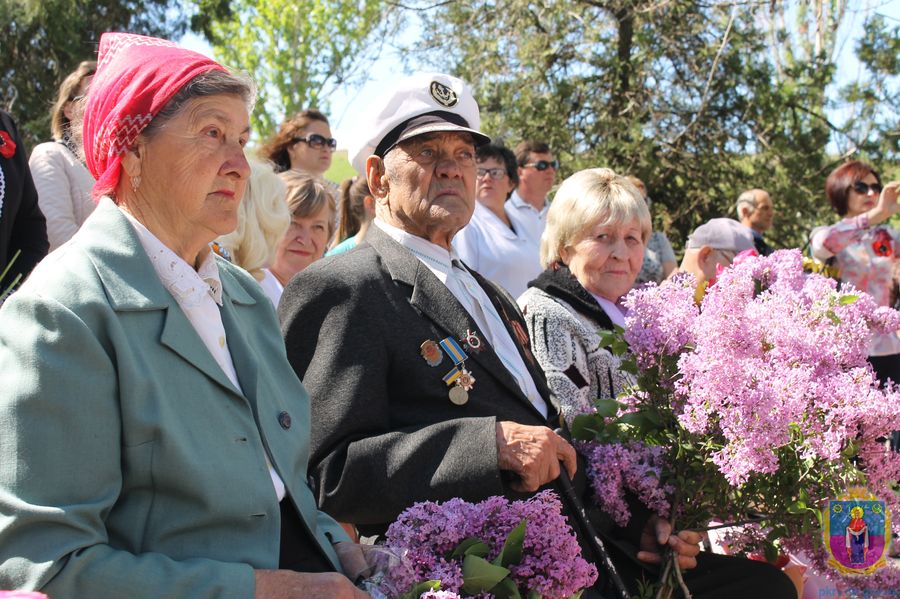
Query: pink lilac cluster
point(772, 348)
point(439, 595)
point(615, 469)
point(427, 533)
point(660, 319)
point(882, 472)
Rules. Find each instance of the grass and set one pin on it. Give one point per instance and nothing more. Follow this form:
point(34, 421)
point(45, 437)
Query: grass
point(340, 167)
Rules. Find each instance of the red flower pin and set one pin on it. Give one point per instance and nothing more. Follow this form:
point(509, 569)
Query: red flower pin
point(7, 145)
point(883, 245)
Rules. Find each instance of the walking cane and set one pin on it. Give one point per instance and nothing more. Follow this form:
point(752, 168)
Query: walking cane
point(593, 539)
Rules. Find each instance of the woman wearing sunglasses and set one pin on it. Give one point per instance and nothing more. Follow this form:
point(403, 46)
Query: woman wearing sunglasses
point(864, 247)
point(303, 143)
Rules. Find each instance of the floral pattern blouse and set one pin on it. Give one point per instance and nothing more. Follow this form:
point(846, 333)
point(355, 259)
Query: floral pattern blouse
point(865, 256)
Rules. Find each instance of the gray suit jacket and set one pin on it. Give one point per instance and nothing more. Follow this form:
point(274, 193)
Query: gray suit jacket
point(385, 433)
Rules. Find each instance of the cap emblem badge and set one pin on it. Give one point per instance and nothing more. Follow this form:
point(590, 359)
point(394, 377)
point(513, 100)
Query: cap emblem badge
point(443, 95)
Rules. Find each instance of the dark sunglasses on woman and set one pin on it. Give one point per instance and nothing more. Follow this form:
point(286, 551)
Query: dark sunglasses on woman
point(543, 165)
point(316, 141)
point(863, 188)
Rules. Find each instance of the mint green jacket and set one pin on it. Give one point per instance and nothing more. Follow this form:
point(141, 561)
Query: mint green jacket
point(130, 466)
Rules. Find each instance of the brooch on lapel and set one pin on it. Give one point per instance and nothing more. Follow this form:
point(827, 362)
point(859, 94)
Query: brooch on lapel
point(460, 380)
point(472, 341)
point(431, 352)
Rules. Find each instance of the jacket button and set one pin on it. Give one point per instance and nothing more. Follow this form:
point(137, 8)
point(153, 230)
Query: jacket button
point(284, 419)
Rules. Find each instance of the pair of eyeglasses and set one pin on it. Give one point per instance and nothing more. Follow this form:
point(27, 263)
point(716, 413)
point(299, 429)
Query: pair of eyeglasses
point(317, 142)
point(494, 173)
point(543, 165)
point(863, 188)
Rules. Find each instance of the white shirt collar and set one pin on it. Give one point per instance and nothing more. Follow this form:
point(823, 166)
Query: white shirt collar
point(185, 284)
point(435, 257)
point(516, 200)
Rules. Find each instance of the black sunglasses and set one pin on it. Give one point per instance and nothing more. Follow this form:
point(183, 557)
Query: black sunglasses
point(862, 188)
point(316, 141)
point(543, 165)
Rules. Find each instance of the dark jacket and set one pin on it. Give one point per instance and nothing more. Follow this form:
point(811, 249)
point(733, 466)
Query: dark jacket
point(385, 433)
point(22, 225)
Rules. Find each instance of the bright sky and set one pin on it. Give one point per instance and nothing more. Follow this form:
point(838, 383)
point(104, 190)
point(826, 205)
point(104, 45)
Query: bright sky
point(347, 105)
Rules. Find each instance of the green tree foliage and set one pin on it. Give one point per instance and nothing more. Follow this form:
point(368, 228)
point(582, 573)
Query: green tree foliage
point(700, 100)
point(297, 51)
point(43, 40)
point(874, 122)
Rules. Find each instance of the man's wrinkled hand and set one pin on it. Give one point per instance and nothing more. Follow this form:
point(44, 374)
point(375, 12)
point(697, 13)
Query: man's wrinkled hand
point(533, 453)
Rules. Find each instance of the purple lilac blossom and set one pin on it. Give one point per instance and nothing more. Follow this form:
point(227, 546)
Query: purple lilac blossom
point(616, 468)
point(427, 532)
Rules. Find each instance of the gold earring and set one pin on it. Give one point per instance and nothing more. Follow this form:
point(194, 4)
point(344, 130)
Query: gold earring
point(135, 183)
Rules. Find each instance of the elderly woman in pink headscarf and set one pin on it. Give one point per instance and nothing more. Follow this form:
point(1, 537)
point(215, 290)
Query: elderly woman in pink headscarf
point(153, 436)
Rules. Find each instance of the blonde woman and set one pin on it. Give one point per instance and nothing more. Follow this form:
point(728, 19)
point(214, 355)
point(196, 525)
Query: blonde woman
point(311, 227)
point(592, 250)
point(62, 181)
point(263, 219)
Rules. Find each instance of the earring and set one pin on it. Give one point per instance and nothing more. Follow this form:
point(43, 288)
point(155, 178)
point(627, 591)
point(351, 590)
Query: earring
point(135, 183)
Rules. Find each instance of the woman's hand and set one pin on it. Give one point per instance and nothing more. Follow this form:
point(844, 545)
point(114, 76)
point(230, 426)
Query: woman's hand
point(887, 205)
point(686, 544)
point(353, 559)
point(287, 584)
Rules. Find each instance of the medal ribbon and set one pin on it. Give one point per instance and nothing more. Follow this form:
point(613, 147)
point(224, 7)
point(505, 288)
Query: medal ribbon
point(451, 376)
point(453, 350)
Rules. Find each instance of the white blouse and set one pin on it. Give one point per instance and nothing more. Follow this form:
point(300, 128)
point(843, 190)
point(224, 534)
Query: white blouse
point(507, 257)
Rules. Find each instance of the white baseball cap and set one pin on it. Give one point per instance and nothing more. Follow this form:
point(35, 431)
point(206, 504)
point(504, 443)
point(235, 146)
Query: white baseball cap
point(721, 234)
point(420, 103)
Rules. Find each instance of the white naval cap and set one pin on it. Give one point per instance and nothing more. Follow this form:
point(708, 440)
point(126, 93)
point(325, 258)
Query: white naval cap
point(420, 103)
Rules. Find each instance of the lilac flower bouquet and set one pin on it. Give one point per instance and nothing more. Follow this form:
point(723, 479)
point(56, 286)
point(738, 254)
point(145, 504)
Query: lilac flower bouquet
point(757, 404)
point(497, 548)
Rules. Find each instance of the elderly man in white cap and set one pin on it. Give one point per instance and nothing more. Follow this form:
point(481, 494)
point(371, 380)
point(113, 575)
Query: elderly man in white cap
point(427, 388)
point(421, 380)
point(712, 245)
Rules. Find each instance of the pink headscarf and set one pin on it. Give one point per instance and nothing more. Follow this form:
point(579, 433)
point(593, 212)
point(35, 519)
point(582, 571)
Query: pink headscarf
point(136, 77)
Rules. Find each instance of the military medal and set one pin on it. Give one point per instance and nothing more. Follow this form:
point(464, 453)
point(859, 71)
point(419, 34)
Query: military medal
point(459, 396)
point(458, 379)
point(431, 352)
point(473, 341)
point(465, 380)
